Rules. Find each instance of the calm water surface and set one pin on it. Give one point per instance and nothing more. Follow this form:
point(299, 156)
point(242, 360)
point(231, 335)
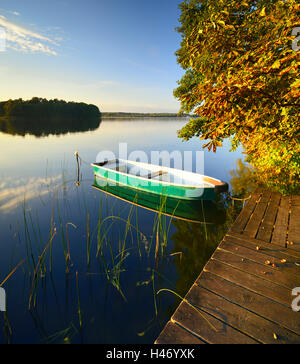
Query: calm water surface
point(122, 254)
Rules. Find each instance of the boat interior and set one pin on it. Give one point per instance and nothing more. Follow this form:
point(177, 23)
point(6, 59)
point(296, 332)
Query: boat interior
point(156, 173)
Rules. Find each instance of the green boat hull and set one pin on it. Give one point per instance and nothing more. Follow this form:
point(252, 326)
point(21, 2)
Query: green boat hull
point(155, 187)
point(197, 211)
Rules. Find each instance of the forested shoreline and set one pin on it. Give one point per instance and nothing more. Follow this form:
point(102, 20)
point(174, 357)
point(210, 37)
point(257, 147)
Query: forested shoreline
point(42, 117)
point(128, 115)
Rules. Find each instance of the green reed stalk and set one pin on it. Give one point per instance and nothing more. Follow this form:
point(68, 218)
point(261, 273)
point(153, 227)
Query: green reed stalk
point(51, 231)
point(68, 256)
point(88, 240)
point(28, 244)
point(35, 276)
point(11, 273)
point(78, 302)
point(205, 228)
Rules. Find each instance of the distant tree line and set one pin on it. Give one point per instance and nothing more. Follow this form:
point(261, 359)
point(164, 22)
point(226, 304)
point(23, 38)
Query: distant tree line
point(107, 115)
point(42, 117)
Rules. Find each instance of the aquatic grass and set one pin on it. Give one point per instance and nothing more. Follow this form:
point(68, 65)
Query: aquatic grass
point(99, 241)
point(11, 273)
point(68, 255)
point(20, 241)
point(43, 264)
point(37, 240)
point(64, 336)
point(28, 244)
point(7, 329)
point(51, 230)
point(151, 324)
point(88, 237)
point(154, 273)
point(78, 302)
point(63, 236)
point(35, 280)
point(161, 230)
point(203, 214)
point(138, 233)
point(117, 263)
point(113, 274)
point(114, 219)
point(154, 296)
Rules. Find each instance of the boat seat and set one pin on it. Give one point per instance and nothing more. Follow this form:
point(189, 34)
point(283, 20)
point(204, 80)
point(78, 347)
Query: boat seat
point(153, 175)
point(107, 163)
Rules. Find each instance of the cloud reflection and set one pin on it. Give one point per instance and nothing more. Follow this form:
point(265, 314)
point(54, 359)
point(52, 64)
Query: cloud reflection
point(13, 193)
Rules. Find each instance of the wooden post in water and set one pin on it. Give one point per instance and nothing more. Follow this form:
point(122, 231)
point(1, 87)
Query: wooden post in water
point(78, 169)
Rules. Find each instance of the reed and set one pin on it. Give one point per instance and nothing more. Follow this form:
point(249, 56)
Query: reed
point(68, 253)
point(11, 273)
point(28, 243)
point(35, 277)
point(7, 329)
point(63, 336)
point(78, 302)
point(88, 237)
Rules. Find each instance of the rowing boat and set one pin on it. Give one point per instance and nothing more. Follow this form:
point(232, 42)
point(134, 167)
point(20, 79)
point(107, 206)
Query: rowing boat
point(160, 180)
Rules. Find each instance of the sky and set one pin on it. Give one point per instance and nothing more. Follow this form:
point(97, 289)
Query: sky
point(116, 54)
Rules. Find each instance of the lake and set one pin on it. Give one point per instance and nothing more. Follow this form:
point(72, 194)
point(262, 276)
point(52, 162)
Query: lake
point(92, 264)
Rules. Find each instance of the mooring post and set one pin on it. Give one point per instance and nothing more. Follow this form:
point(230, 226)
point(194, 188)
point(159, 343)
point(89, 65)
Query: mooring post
point(78, 169)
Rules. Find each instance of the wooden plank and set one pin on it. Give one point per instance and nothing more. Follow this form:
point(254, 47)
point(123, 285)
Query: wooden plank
point(253, 283)
point(281, 224)
point(251, 301)
point(207, 327)
point(175, 335)
point(273, 275)
point(294, 228)
point(265, 248)
point(243, 320)
point(261, 257)
point(247, 211)
point(266, 229)
point(256, 218)
point(295, 200)
point(244, 240)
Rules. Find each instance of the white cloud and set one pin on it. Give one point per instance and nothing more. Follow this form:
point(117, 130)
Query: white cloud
point(21, 39)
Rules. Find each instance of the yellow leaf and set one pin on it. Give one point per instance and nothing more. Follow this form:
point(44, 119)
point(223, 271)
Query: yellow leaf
point(230, 27)
point(276, 64)
point(296, 83)
point(225, 12)
point(221, 22)
point(263, 12)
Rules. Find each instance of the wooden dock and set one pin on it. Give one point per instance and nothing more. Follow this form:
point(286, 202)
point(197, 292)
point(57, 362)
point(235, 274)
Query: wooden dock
point(244, 294)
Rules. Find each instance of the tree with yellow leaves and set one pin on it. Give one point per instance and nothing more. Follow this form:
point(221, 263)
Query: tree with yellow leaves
point(242, 82)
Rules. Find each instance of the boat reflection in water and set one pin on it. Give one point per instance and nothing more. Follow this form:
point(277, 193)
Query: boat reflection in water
point(196, 211)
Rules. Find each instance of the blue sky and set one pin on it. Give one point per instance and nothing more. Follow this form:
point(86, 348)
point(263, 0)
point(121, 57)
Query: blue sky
point(117, 54)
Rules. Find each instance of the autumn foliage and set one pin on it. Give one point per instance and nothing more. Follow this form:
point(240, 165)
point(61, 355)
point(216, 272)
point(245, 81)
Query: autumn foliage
point(242, 82)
